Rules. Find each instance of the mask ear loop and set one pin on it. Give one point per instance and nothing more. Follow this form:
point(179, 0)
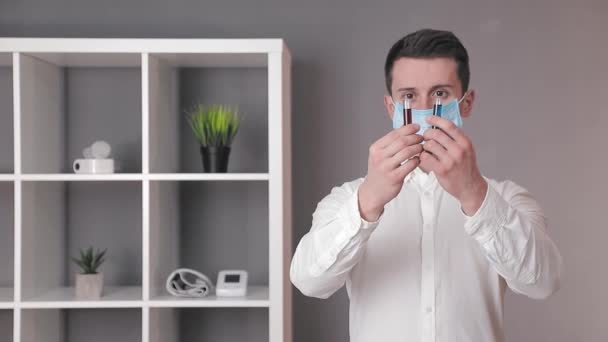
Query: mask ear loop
point(394, 103)
point(463, 96)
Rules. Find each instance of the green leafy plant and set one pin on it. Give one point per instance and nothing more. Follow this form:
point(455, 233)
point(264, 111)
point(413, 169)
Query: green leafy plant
point(90, 261)
point(214, 125)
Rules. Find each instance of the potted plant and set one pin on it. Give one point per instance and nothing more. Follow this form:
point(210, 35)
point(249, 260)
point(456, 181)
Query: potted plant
point(214, 127)
point(89, 283)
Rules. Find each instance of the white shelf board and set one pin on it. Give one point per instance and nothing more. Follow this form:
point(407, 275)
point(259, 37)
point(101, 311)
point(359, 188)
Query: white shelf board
point(65, 297)
point(7, 177)
point(257, 297)
point(82, 177)
point(66, 177)
point(210, 60)
point(90, 59)
point(141, 45)
point(6, 297)
point(209, 176)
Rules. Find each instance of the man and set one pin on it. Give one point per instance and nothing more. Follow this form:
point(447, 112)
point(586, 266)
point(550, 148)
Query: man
point(425, 244)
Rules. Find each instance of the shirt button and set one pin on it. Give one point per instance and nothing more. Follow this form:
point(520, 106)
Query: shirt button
point(429, 309)
point(427, 226)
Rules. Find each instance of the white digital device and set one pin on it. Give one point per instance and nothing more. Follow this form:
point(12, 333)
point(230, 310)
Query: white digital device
point(231, 283)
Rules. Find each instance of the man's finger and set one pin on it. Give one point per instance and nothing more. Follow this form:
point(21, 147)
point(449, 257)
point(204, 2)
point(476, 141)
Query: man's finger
point(437, 150)
point(445, 141)
point(405, 154)
point(448, 127)
point(401, 142)
point(429, 161)
point(407, 167)
point(408, 129)
point(394, 134)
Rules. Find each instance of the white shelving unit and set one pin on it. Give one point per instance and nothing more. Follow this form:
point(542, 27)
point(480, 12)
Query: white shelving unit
point(160, 212)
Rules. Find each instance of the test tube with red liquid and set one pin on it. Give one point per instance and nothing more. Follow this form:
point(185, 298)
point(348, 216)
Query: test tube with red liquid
point(407, 112)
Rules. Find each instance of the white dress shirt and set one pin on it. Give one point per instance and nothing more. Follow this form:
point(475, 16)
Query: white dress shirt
point(424, 271)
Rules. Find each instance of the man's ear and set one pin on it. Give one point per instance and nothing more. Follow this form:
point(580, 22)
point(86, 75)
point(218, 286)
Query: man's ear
point(466, 106)
point(390, 107)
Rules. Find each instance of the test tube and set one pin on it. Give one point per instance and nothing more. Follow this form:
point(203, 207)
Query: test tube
point(407, 112)
point(437, 109)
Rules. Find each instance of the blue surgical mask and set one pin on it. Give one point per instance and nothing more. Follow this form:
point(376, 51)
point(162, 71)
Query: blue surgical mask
point(450, 111)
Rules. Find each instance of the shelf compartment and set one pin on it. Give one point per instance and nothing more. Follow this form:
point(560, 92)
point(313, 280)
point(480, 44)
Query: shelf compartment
point(217, 324)
point(59, 218)
point(7, 241)
point(191, 220)
point(214, 60)
point(6, 325)
point(90, 59)
point(68, 101)
point(139, 176)
point(176, 82)
point(81, 325)
point(6, 114)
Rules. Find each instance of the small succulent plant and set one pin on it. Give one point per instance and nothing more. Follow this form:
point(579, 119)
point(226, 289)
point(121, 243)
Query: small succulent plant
point(90, 260)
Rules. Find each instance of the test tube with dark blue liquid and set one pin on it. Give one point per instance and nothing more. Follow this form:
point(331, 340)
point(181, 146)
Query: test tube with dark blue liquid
point(437, 109)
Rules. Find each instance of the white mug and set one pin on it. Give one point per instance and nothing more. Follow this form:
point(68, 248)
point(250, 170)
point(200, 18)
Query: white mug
point(88, 165)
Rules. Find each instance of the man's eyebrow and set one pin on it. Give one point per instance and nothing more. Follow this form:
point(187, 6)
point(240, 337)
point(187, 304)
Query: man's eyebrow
point(433, 88)
point(407, 89)
point(439, 86)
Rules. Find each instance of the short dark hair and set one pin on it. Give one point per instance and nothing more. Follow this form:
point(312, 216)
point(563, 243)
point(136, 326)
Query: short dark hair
point(429, 43)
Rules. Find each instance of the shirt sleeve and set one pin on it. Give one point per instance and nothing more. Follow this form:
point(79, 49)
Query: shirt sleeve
point(511, 229)
point(334, 244)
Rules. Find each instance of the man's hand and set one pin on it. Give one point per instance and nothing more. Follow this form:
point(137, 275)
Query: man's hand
point(449, 153)
point(385, 174)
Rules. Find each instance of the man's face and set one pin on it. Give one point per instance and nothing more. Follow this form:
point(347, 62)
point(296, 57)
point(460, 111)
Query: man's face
point(423, 80)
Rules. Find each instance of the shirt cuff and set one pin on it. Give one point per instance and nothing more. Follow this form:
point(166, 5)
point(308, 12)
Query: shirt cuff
point(350, 211)
point(489, 218)
point(354, 226)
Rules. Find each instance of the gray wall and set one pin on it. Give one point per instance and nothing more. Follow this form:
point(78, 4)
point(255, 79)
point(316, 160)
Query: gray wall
point(6, 325)
point(539, 120)
point(7, 236)
point(6, 121)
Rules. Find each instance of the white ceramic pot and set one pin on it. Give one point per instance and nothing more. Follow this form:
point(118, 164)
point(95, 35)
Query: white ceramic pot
point(89, 286)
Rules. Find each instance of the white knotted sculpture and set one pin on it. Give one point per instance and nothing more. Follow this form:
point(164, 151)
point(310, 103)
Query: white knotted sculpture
point(185, 282)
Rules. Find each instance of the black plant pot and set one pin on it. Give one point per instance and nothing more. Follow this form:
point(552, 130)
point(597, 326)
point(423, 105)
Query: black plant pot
point(215, 158)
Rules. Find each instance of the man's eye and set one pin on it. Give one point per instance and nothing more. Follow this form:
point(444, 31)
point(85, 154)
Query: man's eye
point(409, 96)
point(440, 93)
